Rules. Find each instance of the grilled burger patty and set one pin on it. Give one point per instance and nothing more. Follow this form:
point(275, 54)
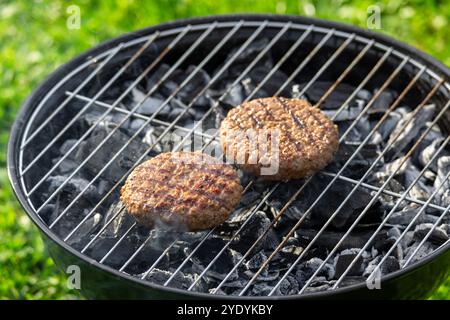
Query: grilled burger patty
point(187, 190)
point(307, 138)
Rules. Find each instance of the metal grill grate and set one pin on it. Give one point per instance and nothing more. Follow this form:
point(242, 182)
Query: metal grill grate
point(185, 51)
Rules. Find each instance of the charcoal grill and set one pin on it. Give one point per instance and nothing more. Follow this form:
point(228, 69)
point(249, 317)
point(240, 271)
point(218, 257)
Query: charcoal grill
point(81, 132)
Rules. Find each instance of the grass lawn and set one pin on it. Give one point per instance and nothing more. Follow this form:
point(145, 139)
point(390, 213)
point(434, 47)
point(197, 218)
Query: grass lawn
point(35, 40)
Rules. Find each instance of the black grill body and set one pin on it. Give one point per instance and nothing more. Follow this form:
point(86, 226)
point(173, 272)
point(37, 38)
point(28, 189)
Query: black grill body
point(100, 281)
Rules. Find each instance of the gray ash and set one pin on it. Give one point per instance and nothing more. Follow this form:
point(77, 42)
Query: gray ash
point(152, 243)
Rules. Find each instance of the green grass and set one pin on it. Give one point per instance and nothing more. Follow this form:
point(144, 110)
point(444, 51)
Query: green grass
point(35, 40)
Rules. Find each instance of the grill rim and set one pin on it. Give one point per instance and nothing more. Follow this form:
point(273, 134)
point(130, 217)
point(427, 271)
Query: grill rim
point(28, 107)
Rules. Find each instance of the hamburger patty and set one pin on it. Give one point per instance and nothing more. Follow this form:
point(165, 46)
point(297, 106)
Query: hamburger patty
point(186, 190)
point(301, 139)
